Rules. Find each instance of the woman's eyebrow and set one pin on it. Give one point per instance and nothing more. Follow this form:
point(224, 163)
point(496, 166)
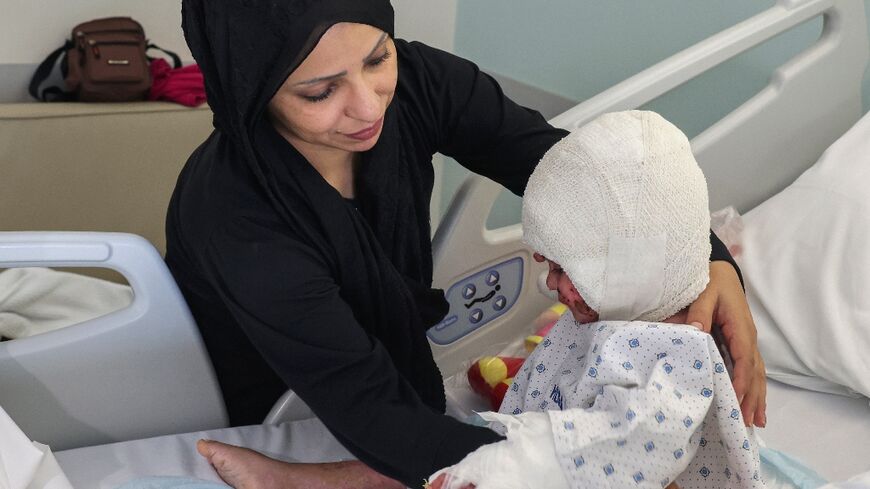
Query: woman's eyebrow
point(380, 42)
point(319, 79)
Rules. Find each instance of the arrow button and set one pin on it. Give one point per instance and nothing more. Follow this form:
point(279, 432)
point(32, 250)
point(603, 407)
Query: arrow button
point(476, 316)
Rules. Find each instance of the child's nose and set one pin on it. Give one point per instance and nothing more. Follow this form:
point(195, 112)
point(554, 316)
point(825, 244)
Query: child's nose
point(553, 279)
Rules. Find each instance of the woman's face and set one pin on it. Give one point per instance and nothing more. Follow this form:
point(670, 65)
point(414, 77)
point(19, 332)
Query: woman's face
point(558, 280)
point(336, 99)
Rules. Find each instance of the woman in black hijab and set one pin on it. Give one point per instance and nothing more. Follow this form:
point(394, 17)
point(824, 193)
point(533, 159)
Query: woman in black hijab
point(299, 230)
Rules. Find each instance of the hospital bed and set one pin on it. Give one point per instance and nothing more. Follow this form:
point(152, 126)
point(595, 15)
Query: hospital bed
point(113, 394)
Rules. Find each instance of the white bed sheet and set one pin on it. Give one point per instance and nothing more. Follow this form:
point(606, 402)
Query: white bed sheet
point(109, 466)
point(827, 432)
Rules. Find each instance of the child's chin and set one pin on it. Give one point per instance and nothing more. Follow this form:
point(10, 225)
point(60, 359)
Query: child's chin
point(583, 317)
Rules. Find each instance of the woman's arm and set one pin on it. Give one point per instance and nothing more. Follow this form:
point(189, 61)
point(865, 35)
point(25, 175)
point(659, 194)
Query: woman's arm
point(288, 304)
point(463, 113)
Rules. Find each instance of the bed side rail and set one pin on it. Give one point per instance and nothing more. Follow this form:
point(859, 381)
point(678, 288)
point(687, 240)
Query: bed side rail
point(138, 372)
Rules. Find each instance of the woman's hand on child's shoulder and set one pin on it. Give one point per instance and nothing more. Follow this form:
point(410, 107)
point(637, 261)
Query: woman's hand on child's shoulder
point(724, 303)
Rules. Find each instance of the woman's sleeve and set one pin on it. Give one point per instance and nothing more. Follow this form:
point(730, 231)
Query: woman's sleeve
point(281, 293)
point(719, 252)
point(472, 120)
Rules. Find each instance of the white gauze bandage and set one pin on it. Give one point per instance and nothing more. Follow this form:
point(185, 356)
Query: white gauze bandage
point(621, 205)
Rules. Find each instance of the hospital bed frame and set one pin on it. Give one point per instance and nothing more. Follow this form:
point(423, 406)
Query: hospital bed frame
point(143, 371)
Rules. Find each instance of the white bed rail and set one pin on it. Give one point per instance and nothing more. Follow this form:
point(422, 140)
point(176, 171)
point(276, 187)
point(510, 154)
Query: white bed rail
point(768, 141)
point(146, 363)
point(747, 156)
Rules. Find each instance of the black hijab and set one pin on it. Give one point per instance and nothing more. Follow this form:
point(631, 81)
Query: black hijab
point(382, 259)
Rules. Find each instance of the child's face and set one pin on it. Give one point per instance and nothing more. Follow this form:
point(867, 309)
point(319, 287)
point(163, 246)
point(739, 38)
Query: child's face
point(558, 280)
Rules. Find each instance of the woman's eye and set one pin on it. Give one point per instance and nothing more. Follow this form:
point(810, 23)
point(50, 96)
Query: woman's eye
point(379, 60)
point(320, 96)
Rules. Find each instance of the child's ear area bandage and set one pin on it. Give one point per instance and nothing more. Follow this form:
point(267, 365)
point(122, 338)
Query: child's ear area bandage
point(622, 205)
point(635, 277)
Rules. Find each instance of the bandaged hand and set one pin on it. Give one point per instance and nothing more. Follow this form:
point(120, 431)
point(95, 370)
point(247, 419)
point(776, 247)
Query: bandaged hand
point(724, 303)
point(527, 458)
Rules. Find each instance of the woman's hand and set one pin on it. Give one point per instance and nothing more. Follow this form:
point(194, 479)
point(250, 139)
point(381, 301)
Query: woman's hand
point(724, 303)
point(441, 480)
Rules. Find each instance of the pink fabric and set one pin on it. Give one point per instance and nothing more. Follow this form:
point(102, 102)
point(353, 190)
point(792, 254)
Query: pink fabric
point(181, 85)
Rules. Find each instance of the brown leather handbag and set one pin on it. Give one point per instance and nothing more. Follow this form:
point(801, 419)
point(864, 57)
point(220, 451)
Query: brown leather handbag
point(105, 62)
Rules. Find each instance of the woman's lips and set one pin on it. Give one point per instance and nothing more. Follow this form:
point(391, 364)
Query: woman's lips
point(368, 132)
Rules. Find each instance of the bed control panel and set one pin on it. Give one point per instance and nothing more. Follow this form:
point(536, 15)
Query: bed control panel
point(478, 299)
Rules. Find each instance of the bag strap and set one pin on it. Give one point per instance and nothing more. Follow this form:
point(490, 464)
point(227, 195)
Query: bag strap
point(42, 73)
point(176, 61)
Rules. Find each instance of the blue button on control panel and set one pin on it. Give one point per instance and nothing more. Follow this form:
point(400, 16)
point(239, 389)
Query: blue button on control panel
point(478, 299)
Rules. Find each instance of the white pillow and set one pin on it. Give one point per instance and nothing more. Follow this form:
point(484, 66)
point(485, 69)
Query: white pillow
point(38, 300)
point(806, 262)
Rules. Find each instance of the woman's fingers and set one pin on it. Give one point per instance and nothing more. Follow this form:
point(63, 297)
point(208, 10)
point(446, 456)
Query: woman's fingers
point(732, 312)
point(701, 311)
point(761, 407)
point(724, 303)
point(438, 483)
point(441, 481)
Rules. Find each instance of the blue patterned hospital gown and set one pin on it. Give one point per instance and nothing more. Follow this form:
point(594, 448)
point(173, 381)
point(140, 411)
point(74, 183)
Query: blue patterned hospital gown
point(635, 404)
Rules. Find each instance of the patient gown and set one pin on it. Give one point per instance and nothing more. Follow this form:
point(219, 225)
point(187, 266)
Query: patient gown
point(622, 404)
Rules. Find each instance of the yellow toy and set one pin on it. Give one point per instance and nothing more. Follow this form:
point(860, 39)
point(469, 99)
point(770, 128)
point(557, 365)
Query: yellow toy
point(543, 324)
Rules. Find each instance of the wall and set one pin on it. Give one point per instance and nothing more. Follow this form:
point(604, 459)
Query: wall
point(435, 24)
point(40, 27)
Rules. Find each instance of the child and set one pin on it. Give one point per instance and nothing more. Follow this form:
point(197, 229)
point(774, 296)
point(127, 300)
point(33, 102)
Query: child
point(614, 396)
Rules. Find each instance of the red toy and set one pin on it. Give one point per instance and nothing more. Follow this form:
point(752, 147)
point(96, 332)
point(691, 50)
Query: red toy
point(491, 377)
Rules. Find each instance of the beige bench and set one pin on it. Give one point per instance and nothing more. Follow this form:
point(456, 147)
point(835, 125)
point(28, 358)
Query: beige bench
point(94, 167)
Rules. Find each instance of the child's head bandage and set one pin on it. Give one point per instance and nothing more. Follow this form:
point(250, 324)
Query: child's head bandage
point(621, 205)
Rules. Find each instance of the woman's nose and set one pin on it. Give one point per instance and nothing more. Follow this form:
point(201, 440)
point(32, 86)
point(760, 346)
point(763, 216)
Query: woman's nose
point(365, 104)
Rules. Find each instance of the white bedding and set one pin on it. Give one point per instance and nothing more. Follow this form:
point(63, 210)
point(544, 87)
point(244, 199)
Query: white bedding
point(38, 300)
point(109, 466)
point(828, 433)
point(806, 262)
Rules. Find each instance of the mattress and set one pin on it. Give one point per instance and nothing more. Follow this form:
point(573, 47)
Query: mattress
point(827, 432)
point(109, 466)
